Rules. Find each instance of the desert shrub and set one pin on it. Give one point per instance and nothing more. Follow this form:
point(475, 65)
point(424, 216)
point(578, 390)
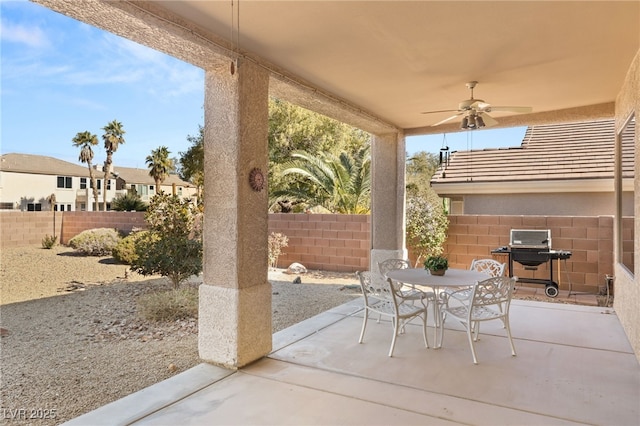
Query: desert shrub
point(277, 242)
point(125, 250)
point(95, 242)
point(173, 246)
point(169, 305)
point(49, 241)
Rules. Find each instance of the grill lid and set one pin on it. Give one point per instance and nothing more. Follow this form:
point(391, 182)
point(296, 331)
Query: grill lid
point(530, 238)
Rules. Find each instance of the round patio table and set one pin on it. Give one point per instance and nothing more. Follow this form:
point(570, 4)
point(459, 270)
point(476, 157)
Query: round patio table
point(452, 278)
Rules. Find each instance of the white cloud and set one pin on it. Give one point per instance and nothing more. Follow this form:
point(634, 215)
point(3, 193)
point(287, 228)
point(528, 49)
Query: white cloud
point(31, 36)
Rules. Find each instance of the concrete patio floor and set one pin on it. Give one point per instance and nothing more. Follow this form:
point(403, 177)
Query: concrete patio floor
point(574, 366)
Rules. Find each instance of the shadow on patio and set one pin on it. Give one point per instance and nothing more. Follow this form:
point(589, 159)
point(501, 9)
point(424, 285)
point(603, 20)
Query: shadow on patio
point(574, 366)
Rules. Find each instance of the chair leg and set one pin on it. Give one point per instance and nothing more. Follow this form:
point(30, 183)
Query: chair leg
point(508, 328)
point(442, 321)
point(424, 330)
point(396, 329)
point(364, 324)
point(470, 337)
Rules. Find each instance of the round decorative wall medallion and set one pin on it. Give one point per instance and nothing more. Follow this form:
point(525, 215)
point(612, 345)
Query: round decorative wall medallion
point(256, 179)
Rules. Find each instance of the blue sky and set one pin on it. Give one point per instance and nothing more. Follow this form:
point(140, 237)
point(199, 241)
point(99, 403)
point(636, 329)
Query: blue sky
point(60, 77)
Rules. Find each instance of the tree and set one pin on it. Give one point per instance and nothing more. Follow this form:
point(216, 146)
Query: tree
point(192, 162)
point(173, 245)
point(292, 128)
point(85, 140)
point(338, 183)
point(113, 137)
point(419, 170)
point(160, 165)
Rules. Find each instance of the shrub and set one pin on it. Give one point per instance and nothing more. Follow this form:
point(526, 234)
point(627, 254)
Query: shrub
point(169, 305)
point(173, 246)
point(125, 250)
point(277, 242)
point(95, 242)
point(129, 202)
point(427, 225)
point(49, 241)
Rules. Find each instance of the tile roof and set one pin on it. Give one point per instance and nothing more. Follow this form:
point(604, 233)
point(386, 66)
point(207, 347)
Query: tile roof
point(39, 164)
point(141, 176)
point(568, 151)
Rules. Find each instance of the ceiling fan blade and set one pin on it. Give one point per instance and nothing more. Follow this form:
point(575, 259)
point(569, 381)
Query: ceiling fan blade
point(488, 120)
point(442, 110)
point(447, 119)
point(518, 109)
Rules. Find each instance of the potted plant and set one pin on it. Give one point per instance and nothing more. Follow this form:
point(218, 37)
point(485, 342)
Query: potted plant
point(437, 265)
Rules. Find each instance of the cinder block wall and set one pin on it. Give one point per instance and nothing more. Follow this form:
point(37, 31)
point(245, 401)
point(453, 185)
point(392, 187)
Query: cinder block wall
point(19, 228)
point(342, 242)
point(76, 222)
point(590, 239)
point(329, 242)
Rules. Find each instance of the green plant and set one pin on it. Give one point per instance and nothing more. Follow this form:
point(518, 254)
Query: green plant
point(277, 242)
point(172, 305)
point(125, 250)
point(173, 245)
point(427, 225)
point(49, 241)
point(129, 202)
point(95, 242)
point(435, 263)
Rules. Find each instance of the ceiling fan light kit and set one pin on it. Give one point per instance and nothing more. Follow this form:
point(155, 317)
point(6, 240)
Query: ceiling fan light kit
point(475, 112)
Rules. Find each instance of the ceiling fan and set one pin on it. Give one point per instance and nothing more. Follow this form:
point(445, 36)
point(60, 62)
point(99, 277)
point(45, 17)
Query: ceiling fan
point(475, 111)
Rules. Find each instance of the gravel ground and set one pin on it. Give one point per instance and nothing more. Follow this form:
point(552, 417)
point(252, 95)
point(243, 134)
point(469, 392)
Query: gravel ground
point(72, 340)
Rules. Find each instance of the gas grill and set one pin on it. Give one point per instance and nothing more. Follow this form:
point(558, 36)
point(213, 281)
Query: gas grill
point(531, 248)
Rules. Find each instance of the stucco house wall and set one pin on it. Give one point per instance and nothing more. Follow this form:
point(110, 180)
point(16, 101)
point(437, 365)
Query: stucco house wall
point(558, 204)
point(627, 300)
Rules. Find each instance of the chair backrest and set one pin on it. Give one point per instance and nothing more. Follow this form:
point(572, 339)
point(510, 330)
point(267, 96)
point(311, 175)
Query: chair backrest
point(391, 265)
point(371, 291)
point(395, 293)
point(488, 266)
point(494, 291)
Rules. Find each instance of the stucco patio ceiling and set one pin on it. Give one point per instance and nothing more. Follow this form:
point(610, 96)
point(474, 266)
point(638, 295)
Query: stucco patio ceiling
point(388, 61)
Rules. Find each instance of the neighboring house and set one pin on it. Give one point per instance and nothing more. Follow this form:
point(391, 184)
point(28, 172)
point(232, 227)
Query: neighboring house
point(27, 183)
point(139, 180)
point(559, 169)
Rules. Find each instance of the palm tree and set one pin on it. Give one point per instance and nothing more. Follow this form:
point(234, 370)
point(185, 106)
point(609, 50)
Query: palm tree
point(85, 140)
point(112, 137)
point(340, 184)
point(160, 165)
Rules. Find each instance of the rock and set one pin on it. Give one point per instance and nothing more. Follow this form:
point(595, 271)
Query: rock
point(172, 368)
point(296, 268)
point(297, 280)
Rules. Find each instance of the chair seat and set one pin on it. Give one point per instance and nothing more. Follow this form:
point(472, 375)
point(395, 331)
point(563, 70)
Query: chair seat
point(478, 313)
point(415, 294)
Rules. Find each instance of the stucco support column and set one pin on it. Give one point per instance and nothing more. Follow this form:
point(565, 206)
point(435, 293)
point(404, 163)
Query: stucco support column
point(235, 298)
point(387, 199)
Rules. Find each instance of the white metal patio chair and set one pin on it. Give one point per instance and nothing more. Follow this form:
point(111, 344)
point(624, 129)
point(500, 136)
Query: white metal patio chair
point(387, 301)
point(487, 300)
point(491, 267)
point(409, 291)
